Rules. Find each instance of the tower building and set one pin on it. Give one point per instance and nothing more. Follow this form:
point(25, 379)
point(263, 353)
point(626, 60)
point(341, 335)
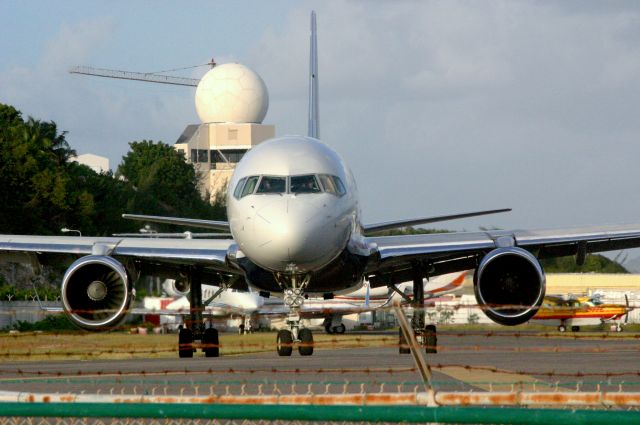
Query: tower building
point(231, 101)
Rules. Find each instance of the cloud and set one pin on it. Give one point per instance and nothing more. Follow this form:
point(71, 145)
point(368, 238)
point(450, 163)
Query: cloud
point(101, 117)
point(450, 106)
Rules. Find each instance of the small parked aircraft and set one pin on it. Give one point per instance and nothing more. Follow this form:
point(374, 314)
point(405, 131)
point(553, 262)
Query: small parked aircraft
point(568, 310)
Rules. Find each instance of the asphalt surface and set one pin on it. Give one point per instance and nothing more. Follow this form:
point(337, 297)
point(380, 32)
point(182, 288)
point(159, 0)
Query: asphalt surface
point(466, 361)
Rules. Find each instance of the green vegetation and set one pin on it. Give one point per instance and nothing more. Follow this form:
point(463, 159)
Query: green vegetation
point(55, 323)
point(164, 184)
point(43, 190)
point(10, 292)
point(593, 264)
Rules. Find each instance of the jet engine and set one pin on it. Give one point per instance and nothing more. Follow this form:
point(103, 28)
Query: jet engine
point(509, 285)
point(96, 292)
point(176, 287)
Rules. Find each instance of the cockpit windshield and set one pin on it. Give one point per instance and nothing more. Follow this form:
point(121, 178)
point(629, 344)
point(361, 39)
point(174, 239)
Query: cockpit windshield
point(305, 184)
point(271, 184)
point(250, 186)
point(308, 183)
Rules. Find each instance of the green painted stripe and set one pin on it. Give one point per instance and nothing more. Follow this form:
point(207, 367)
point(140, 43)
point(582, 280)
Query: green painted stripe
point(414, 414)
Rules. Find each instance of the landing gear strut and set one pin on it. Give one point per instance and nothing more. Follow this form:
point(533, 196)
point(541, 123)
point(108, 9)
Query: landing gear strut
point(425, 334)
point(293, 299)
point(195, 330)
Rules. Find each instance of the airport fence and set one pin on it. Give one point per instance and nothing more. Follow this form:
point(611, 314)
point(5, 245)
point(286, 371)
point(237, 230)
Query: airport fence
point(474, 378)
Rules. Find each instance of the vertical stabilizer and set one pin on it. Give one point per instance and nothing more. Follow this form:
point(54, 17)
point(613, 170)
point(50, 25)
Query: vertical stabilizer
point(314, 129)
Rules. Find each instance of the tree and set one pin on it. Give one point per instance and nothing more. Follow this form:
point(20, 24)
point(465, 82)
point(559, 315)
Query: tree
point(163, 183)
point(593, 264)
point(33, 176)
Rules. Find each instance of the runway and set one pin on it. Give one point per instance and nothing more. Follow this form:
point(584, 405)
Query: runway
point(498, 361)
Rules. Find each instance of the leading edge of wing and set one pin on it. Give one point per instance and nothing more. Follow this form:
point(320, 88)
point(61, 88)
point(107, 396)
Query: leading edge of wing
point(190, 251)
point(369, 228)
point(565, 241)
point(190, 222)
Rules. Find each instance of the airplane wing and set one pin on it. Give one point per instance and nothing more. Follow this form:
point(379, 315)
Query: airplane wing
point(449, 252)
point(370, 228)
point(209, 253)
point(179, 221)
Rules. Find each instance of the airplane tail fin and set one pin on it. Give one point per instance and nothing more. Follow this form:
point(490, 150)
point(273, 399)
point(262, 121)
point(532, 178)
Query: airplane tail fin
point(314, 130)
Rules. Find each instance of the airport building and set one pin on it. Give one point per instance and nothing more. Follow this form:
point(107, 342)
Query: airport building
point(231, 101)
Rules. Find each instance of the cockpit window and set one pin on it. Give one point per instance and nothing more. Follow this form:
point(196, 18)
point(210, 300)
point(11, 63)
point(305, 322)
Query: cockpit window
point(271, 184)
point(249, 186)
point(339, 185)
point(304, 184)
point(308, 183)
point(328, 184)
point(332, 184)
point(238, 191)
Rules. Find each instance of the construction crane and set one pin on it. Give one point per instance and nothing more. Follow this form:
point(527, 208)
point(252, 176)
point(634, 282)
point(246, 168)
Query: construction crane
point(150, 77)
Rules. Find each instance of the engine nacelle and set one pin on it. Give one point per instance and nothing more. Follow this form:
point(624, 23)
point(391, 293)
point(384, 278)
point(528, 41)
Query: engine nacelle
point(509, 285)
point(176, 287)
point(96, 292)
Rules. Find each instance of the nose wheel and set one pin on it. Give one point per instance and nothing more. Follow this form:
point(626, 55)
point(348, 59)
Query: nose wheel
point(284, 343)
point(293, 289)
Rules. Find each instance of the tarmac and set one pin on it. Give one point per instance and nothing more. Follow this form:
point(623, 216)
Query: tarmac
point(466, 361)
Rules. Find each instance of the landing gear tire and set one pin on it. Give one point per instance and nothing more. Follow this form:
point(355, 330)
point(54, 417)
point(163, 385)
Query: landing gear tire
point(618, 328)
point(430, 339)
point(403, 347)
point(210, 341)
point(284, 343)
point(340, 329)
point(562, 328)
point(306, 342)
point(185, 343)
point(328, 329)
point(575, 328)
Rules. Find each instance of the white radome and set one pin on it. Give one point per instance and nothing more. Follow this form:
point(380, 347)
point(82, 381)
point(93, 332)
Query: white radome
point(232, 93)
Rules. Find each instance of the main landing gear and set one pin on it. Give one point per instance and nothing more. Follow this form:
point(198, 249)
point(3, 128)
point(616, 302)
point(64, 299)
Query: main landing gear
point(333, 325)
point(295, 335)
point(195, 331)
point(426, 335)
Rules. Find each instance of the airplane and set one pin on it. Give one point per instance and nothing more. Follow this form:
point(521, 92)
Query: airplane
point(249, 304)
point(223, 304)
point(365, 300)
point(295, 218)
point(568, 310)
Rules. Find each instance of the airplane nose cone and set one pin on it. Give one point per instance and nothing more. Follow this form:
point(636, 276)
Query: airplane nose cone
point(295, 231)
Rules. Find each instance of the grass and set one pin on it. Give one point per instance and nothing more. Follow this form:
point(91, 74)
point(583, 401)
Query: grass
point(118, 345)
point(37, 346)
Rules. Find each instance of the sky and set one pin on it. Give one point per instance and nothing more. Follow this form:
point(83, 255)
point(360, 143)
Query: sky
point(438, 107)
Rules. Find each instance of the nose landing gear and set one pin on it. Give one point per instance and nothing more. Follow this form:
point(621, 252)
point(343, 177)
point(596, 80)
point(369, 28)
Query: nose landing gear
point(295, 335)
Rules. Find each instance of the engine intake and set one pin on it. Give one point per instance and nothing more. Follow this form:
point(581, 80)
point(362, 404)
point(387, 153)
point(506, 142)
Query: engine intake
point(176, 287)
point(96, 292)
point(510, 285)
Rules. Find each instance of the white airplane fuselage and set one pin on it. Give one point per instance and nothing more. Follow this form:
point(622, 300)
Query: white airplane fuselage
point(283, 227)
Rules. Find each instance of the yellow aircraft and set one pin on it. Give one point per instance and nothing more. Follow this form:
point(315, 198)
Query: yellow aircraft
point(574, 311)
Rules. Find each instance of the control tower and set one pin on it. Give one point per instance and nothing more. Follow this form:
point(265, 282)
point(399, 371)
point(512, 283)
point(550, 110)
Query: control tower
point(231, 101)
